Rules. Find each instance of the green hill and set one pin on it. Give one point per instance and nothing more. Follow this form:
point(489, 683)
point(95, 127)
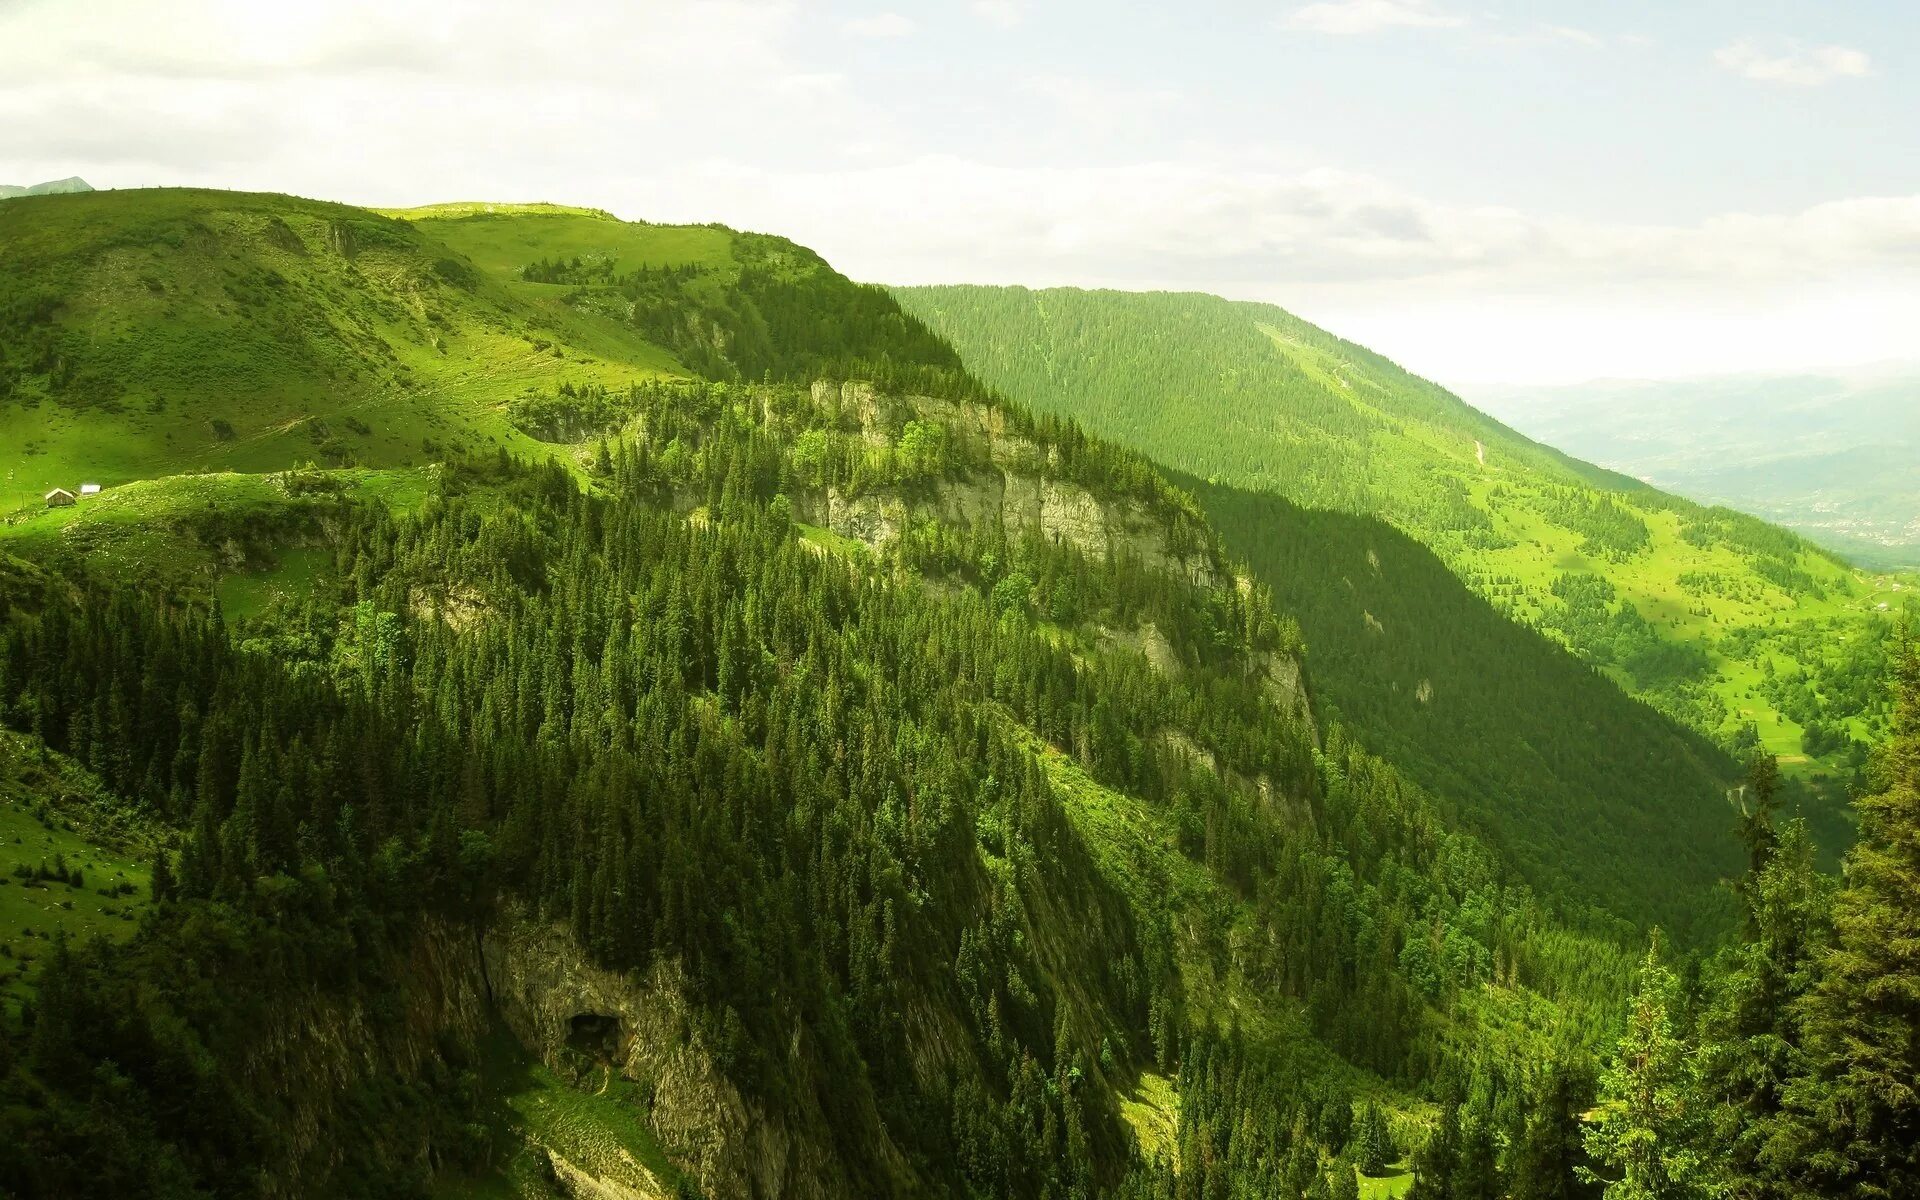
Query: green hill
point(153, 332)
point(666, 725)
point(1536, 750)
point(147, 333)
point(1698, 610)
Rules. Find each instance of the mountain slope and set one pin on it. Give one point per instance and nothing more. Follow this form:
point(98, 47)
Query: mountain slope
point(1678, 603)
point(144, 333)
point(827, 779)
point(1540, 753)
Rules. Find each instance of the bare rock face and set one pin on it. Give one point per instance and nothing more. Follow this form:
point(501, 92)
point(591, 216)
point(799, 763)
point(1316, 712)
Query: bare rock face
point(1148, 642)
point(1286, 685)
point(556, 1001)
point(1070, 514)
point(341, 240)
point(1022, 488)
point(874, 518)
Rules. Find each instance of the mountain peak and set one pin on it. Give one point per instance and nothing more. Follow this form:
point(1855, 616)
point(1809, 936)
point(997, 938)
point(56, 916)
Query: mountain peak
point(54, 187)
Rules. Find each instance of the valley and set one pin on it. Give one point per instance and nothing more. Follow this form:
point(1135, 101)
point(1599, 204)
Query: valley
point(1828, 455)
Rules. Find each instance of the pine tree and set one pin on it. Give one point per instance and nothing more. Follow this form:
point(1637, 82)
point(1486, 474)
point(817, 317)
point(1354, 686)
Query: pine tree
point(1648, 1129)
point(162, 886)
point(1476, 1173)
point(1373, 1144)
point(1546, 1162)
point(1858, 1110)
point(1343, 1184)
point(1752, 1034)
point(1435, 1162)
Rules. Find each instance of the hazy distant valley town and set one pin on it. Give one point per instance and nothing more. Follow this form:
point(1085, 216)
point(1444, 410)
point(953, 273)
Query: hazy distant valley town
point(764, 599)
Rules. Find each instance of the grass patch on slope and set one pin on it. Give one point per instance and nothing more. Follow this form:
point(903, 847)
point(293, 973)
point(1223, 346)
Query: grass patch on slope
point(54, 818)
point(597, 1130)
point(155, 332)
point(195, 532)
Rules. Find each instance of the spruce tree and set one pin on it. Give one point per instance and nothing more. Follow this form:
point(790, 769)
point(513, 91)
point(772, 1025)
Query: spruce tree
point(1752, 1032)
point(1858, 1109)
point(1646, 1135)
point(1546, 1162)
point(1435, 1162)
point(1373, 1145)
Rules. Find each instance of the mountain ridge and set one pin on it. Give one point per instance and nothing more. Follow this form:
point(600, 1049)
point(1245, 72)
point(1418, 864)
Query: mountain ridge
point(53, 187)
point(1681, 604)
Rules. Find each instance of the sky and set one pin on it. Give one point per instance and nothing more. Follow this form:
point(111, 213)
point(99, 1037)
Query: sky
point(1509, 192)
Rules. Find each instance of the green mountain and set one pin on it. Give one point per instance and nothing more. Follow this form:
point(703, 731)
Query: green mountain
point(57, 187)
point(1530, 746)
point(563, 706)
point(1704, 612)
point(1827, 455)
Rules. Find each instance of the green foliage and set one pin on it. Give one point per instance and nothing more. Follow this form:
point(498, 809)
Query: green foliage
point(828, 801)
point(1597, 799)
point(959, 842)
point(1857, 1110)
point(1646, 1134)
point(1249, 396)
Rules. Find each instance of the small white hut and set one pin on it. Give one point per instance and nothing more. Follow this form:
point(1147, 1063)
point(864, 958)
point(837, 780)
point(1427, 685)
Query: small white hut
point(89, 489)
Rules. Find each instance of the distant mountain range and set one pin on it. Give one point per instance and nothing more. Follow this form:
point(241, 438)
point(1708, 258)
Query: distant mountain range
point(1829, 455)
point(56, 187)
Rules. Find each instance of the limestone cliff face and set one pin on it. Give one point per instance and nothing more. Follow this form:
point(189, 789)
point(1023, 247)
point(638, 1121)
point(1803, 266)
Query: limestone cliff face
point(446, 985)
point(1021, 488)
point(643, 1026)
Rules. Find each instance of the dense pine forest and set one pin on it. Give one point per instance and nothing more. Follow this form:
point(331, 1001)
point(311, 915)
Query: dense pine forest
point(696, 739)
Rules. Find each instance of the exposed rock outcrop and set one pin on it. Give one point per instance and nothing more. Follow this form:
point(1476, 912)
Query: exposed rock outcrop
point(542, 983)
point(1020, 488)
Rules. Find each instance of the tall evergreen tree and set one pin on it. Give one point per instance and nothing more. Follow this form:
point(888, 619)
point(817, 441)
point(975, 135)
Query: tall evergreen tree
point(1858, 1109)
point(1546, 1162)
point(1752, 1032)
point(1373, 1144)
point(1434, 1163)
point(1647, 1132)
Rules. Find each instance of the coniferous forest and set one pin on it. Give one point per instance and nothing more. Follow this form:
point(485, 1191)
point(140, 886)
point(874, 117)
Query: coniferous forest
point(724, 748)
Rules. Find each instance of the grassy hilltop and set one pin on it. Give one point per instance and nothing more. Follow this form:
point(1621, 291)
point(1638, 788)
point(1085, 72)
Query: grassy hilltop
point(155, 332)
point(1718, 618)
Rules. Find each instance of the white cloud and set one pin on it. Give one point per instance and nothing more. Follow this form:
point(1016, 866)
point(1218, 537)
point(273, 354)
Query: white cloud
point(732, 110)
point(880, 25)
point(386, 102)
point(1794, 65)
point(1188, 223)
point(1574, 34)
point(1355, 17)
point(1463, 293)
point(1002, 13)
